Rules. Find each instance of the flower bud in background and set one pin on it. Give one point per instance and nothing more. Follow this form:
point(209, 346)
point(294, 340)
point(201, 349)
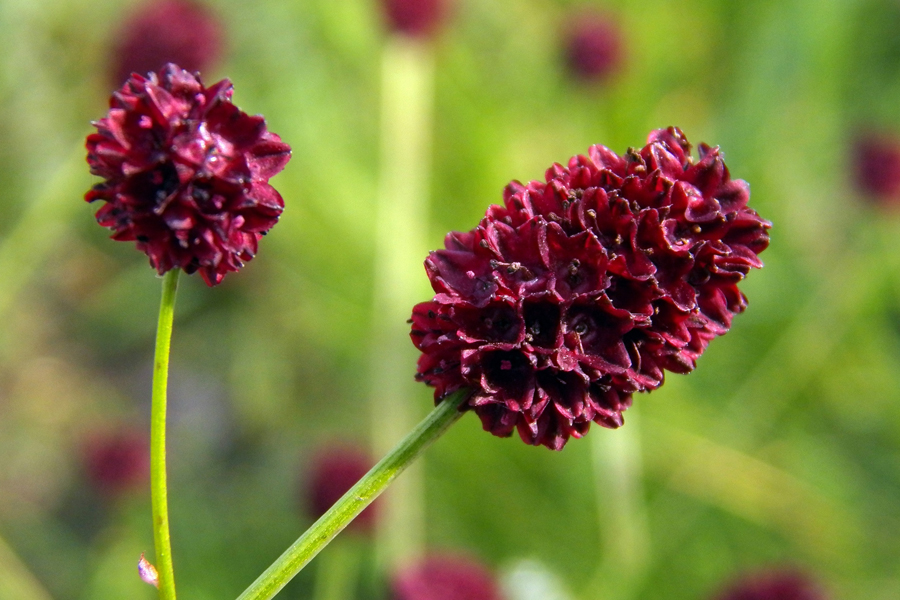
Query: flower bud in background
point(185, 173)
point(417, 18)
point(334, 470)
point(772, 585)
point(118, 462)
point(876, 167)
point(183, 32)
point(444, 577)
point(582, 290)
point(593, 46)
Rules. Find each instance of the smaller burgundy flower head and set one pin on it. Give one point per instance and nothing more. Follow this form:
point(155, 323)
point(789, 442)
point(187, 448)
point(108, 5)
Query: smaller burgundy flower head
point(593, 46)
point(773, 585)
point(445, 577)
point(583, 289)
point(167, 31)
point(417, 18)
point(118, 462)
point(334, 470)
point(876, 164)
point(185, 173)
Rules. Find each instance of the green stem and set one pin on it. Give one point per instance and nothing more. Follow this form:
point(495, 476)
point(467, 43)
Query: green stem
point(159, 493)
point(356, 499)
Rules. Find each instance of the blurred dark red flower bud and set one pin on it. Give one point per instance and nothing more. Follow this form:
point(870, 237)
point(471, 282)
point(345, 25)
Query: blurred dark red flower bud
point(580, 291)
point(183, 32)
point(445, 577)
point(876, 164)
point(593, 45)
point(185, 173)
point(117, 462)
point(333, 471)
point(773, 585)
point(417, 18)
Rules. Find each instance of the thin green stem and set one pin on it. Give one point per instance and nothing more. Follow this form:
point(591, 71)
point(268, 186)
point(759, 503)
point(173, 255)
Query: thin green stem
point(159, 493)
point(354, 501)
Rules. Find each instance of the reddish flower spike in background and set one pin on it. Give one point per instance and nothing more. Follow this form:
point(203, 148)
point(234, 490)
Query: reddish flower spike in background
point(417, 18)
point(185, 173)
point(167, 31)
point(445, 577)
point(593, 46)
point(580, 291)
point(774, 585)
point(117, 463)
point(876, 163)
point(336, 469)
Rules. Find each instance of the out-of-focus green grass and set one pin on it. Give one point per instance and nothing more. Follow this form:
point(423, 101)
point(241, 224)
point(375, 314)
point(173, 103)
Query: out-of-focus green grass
point(782, 448)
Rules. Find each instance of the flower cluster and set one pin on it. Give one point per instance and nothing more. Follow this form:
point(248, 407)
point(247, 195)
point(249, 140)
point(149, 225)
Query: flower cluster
point(416, 18)
point(773, 585)
point(162, 31)
point(876, 168)
point(185, 173)
point(335, 469)
point(444, 577)
point(594, 47)
point(580, 291)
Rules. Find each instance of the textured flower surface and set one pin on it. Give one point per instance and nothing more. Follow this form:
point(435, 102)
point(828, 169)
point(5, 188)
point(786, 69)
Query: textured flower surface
point(334, 470)
point(162, 31)
point(185, 173)
point(417, 18)
point(593, 46)
point(773, 585)
point(876, 163)
point(445, 577)
point(580, 291)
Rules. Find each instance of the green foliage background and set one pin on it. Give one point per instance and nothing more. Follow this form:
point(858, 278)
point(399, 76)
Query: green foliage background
point(783, 448)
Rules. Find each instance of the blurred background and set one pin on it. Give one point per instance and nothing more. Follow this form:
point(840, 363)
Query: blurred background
point(780, 452)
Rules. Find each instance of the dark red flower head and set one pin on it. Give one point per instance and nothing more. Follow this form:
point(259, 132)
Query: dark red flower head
point(163, 31)
point(118, 462)
point(876, 164)
point(417, 18)
point(593, 46)
point(773, 585)
point(333, 471)
point(445, 577)
point(580, 291)
point(185, 173)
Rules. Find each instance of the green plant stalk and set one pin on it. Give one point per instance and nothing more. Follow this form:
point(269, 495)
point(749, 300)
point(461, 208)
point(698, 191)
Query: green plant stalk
point(401, 227)
point(356, 499)
point(158, 488)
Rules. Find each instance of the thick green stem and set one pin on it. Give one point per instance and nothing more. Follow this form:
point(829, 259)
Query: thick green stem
point(159, 493)
point(354, 501)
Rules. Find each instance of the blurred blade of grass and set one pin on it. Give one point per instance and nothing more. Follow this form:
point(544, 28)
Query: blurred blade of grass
point(622, 511)
point(401, 224)
point(818, 328)
point(754, 490)
point(37, 232)
point(16, 581)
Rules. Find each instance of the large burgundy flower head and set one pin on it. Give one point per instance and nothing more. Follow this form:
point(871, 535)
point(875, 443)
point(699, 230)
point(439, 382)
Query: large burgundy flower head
point(773, 585)
point(185, 173)
point(580, 291)
point(445, 577)
point(162, 31)
point(593, 45)
point(334, 470)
